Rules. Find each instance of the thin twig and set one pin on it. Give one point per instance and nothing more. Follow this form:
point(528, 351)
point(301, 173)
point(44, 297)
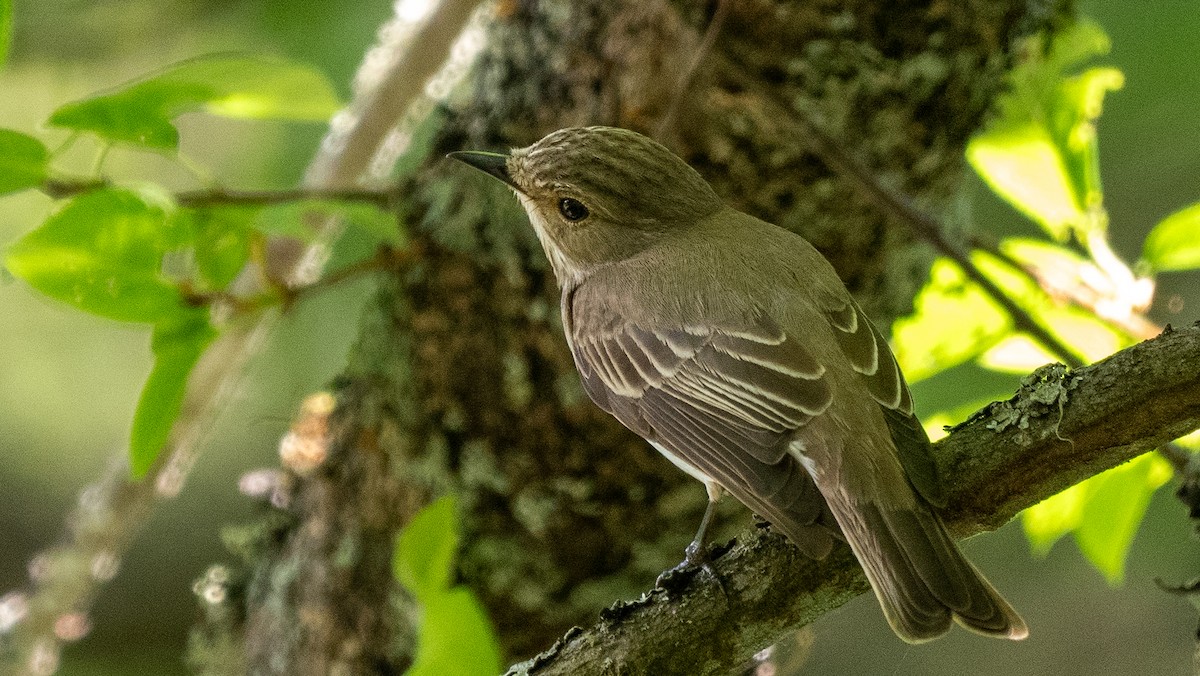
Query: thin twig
point(384, 198)
point(685, 80)
point(922, 224)
point(1137, 325)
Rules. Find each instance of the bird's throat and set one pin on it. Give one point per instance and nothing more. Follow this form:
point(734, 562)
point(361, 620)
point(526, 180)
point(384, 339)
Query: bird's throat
point(567, 272)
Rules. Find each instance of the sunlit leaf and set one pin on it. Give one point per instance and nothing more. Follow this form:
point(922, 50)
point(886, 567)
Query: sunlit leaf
point(1174, 244)
point(1103, 512)
point(425, 551)
point(1089, 337)
point(1116, 503)
point(288, 220)
point(1046, 522)
point(227, 85)
point(1040, 153)
point(1017, 353)
point(22, 161)
point(1056, 267)
point(954, 321)
point(177, 344)
point(373, 224)
point(456, 637)
point(102, 253)
point(1190, 441)
point(298, 219)
point(221, 237)
point(1080, 104)
point(1042, 255)
point(1024, 167)
point(1014, 283)
point(6, 23)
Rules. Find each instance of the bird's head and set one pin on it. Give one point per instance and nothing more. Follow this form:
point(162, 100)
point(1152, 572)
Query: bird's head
point(598, 195)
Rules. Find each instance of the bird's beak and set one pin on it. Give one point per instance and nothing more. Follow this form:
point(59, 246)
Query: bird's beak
point(493, 164)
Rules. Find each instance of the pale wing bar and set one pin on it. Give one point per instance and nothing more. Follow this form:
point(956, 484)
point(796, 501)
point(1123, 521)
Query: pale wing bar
point(870, 356)
point(726, 403)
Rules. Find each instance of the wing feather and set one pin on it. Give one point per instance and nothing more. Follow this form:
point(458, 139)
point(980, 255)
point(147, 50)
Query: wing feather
point(782, 492)
point(870, 356)
point(725, 401)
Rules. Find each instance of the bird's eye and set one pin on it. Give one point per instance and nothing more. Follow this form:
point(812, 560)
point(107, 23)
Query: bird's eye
point(572, 209)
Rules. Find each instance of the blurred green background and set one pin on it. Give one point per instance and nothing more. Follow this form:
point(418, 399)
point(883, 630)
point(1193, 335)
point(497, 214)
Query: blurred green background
point(69, 383)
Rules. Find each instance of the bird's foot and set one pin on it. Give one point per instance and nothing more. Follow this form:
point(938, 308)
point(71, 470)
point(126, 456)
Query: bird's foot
point(696, 557)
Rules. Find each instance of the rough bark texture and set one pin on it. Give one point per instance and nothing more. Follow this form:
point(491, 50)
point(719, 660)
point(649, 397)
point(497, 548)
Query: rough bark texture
point(462, 381)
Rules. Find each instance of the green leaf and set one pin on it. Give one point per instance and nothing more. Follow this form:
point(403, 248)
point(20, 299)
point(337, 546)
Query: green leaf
point(1116, 504)
point(287, 220)
point(1025, 168)
point(221, 237)
point(238, 86)
point(1190, 441)
point(1174, 244)
point(6, 24)
point(1090, 337)
point(1040, 153)
point(1103, 512)
point(102, 253)
point(23, 161)
point(1046, 522)
point(373, 224)
point(297, 219)
point(1087, 335)
point(1045, 257)
point(426, 549)
point(177, 345)
point(922, 342)
point(456, 637)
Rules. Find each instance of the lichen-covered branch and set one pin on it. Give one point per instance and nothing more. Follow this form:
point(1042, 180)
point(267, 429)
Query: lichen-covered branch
point(1061, 428)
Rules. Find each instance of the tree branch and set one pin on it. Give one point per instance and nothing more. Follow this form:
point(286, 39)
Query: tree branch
point(384, 197)
point(1005, 458)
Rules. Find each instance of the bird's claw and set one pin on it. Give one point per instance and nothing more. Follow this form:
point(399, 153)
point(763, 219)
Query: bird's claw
point(695, 557)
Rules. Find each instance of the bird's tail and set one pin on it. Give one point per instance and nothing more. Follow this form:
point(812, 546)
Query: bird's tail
point(921, 578)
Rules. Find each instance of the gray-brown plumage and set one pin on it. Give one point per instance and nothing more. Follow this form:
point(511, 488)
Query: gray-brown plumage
point(731, 345)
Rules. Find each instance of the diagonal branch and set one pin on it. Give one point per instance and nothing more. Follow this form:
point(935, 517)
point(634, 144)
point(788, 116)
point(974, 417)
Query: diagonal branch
point(923, 225)
point(1009, 456)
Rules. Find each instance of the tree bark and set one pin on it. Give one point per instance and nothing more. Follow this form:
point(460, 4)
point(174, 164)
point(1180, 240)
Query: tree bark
point(461, 380)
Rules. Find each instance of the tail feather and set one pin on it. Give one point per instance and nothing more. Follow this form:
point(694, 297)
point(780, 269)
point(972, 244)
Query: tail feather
point(920, 577)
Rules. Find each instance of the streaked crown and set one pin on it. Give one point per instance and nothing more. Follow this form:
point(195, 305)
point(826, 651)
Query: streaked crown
point(616, 173)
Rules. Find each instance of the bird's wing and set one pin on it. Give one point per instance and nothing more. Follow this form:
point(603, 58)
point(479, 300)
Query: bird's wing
point(869, 355)
point(725, 401)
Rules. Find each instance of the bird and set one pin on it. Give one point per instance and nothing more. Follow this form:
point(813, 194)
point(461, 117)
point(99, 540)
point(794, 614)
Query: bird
point(733, 348)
